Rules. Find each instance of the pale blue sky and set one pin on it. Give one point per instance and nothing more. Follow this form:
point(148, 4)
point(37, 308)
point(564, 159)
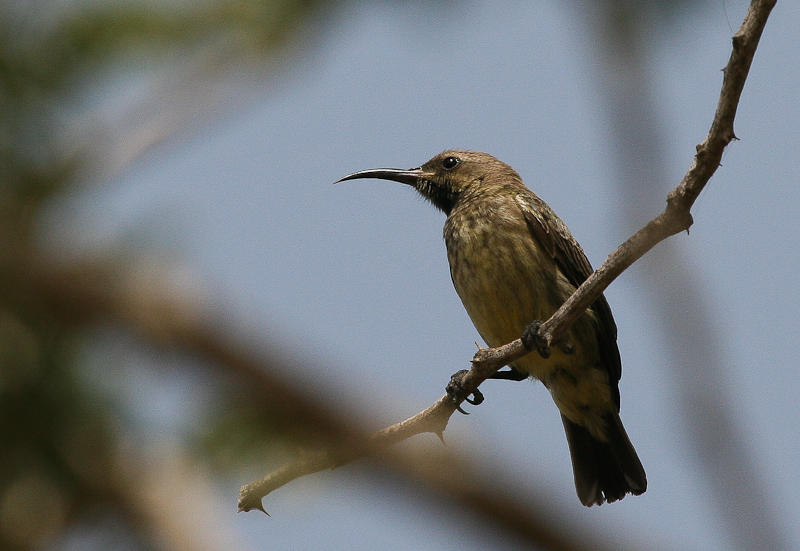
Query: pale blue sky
point(356, 273)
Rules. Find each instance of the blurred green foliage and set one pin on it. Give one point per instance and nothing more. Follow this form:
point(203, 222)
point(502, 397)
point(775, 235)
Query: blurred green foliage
point(59, 441)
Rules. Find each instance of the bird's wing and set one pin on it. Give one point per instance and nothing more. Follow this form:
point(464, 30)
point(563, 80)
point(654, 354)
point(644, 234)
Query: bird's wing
point(557, 240)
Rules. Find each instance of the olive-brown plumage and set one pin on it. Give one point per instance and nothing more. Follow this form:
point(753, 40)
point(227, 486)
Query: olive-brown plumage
point(512, 262)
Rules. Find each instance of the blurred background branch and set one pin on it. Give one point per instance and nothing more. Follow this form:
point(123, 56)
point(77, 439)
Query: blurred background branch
point(687, 318)
point(159, 310)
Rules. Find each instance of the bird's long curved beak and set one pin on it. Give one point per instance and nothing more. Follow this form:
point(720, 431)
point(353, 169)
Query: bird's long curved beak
point(411, 177)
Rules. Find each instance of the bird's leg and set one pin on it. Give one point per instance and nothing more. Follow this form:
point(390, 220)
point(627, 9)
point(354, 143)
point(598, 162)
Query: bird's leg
point(533, 339)
point(510, 375)
point(566, 346)
point(457, 393)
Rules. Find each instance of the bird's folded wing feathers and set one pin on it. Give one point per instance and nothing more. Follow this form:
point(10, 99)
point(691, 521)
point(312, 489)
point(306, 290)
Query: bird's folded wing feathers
point(557, 240)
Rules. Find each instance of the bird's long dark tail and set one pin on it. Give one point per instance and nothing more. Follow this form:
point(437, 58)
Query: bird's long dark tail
point(604, 471)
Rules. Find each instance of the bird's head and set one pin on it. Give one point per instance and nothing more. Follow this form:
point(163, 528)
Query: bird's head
point(445, 178)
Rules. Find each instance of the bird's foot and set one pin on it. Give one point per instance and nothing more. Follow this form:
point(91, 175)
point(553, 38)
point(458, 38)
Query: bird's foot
point(509, 374)
point(534, 340)
point(455, 391)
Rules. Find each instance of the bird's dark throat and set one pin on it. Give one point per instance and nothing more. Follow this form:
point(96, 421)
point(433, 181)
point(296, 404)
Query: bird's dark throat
point(441, 196)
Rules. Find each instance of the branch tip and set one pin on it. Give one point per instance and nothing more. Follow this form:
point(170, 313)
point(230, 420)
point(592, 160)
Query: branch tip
point(247, 503)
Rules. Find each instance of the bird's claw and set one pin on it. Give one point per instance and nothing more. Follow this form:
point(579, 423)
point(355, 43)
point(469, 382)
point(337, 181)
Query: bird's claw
point(477, 398)
point(456, 393)
point(534, 340)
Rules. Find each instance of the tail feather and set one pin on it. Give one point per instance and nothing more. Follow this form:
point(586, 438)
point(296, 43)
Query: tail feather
point(604, 471)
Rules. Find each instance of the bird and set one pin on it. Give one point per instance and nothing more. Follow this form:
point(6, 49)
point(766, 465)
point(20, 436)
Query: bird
point(513, 262)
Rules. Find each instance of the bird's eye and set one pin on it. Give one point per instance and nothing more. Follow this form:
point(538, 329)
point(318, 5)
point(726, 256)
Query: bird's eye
point(449, 163)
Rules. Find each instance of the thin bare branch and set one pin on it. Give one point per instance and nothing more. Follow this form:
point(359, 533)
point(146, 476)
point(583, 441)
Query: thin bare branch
point(695, 357)
point(675, 218)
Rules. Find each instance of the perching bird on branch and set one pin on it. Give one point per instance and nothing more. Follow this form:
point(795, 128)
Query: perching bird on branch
point(514, 262)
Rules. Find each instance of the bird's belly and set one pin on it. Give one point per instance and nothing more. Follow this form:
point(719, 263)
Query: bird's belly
point(507, 283)
point(506, 280)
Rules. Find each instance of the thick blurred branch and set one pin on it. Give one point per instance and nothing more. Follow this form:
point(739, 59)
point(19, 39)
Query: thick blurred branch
point(162, 314)
point(675, 218)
